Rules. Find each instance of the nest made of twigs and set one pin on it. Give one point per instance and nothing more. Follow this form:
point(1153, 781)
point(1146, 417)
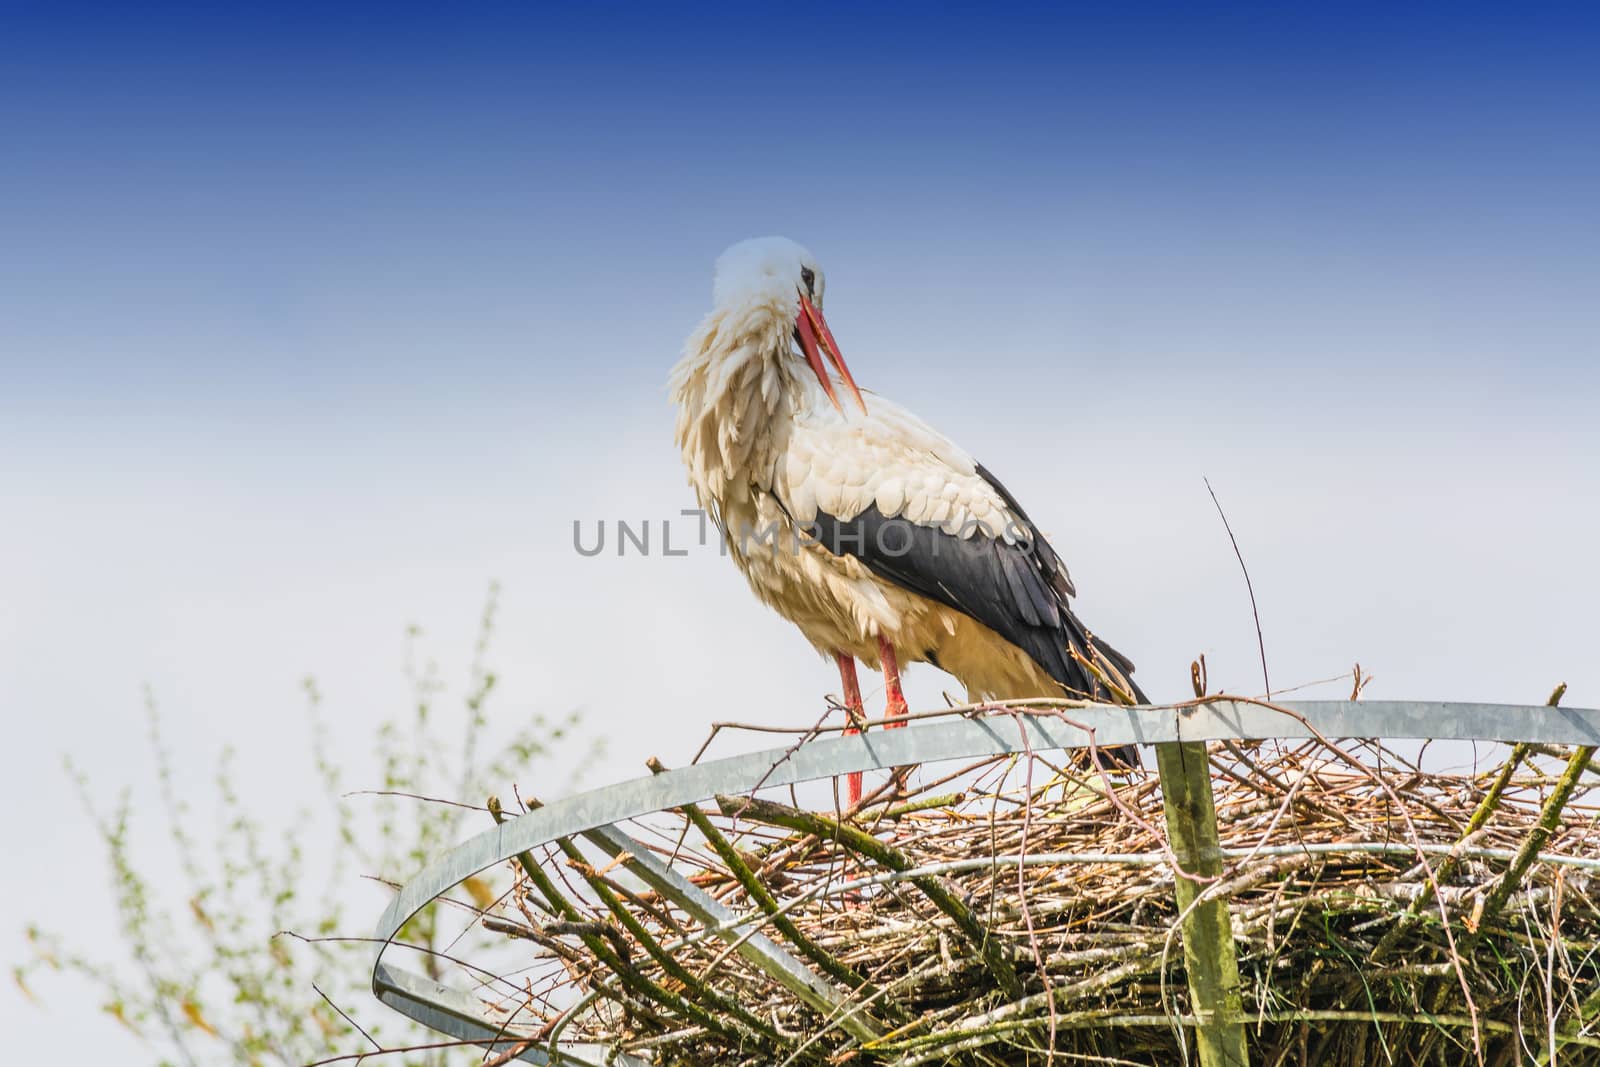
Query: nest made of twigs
point(1381, 912)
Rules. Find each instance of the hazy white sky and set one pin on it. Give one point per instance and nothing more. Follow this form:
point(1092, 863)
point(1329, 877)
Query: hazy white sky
point(1453, 563)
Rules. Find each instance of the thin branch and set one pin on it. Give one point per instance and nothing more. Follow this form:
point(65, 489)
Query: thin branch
point(1261, 643)
point(345, 1017)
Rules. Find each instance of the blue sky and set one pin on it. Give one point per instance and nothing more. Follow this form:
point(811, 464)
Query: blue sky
point(312, 322)
point(271, 209)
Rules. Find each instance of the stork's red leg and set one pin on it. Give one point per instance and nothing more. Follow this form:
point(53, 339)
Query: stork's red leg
point(891, 682)
point(854, 709)
point(896, 711)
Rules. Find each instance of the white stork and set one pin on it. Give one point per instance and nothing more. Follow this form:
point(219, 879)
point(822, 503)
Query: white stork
point(881, 539)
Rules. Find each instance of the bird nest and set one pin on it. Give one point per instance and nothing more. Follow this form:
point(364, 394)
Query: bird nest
point(1418, 907)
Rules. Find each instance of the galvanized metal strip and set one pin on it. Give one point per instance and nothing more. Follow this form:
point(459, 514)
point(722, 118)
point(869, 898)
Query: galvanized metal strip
point(456, 1014)
point(966, 738)
point(763, 952)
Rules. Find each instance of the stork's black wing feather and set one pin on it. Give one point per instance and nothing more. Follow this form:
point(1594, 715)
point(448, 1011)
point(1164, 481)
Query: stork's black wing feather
point(1019, 590)
point(1054, 572)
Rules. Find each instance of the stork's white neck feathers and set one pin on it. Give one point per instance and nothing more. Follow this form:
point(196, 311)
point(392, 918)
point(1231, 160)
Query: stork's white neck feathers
point(738, 382)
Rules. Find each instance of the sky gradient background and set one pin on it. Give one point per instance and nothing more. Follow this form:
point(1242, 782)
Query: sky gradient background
point(313, 325)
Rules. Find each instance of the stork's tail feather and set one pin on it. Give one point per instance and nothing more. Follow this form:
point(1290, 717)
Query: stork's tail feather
point(1101, 673)
point(1095, 669)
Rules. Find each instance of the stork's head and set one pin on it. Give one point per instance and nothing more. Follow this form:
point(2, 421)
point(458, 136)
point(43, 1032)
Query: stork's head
point(774, 276)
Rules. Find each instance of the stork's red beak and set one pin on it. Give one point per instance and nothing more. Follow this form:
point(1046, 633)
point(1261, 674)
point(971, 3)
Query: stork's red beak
point(815, 335)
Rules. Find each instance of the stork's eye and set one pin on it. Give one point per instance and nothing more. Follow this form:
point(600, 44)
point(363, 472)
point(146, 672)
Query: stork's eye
point(810, 278)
